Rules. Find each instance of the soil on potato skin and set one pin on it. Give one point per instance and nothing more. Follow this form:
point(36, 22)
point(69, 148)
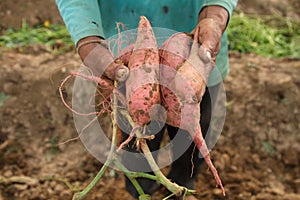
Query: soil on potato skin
point(256, 155)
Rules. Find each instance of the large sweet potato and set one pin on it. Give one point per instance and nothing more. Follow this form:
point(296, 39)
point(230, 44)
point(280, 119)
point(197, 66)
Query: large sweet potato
point(183, 77)
point(142, 87)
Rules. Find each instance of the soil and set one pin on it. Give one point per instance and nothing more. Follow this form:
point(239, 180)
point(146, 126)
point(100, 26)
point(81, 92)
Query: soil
point(257, 154)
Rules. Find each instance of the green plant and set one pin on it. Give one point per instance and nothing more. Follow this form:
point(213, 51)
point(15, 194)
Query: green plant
point(53, 146)
point(268, 148)
point(270, 36)
point(273, 36)
point(53, 36)
point(13, 149)
point(3, 98)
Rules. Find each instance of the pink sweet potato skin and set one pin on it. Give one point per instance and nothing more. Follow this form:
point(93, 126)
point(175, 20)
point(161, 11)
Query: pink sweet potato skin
point(126, 53)
point(181, 84)
point(173, 53)
point(190, 80)
point(178, 78)
point(142, 88)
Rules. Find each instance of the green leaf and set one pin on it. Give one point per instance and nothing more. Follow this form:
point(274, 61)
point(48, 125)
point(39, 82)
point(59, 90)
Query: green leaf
point(3, 98)
point(250, 34)
point(269, 148)
point(39, 35)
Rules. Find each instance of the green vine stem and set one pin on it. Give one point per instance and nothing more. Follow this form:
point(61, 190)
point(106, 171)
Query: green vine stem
point(80, 195)
point(132, 177)
point(111, 158)
point(160, 177)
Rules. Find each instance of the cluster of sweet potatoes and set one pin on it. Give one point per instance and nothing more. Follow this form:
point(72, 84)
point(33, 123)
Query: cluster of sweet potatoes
point(173, 76)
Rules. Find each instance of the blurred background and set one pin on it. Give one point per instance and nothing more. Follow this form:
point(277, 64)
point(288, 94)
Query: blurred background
point(257, 154)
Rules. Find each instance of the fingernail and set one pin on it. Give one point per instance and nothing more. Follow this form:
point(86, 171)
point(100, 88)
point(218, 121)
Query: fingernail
point(208, 55)
point(122, 74)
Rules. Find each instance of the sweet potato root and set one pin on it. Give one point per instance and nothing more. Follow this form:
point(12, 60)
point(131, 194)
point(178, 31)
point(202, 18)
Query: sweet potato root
point(125, 54)
point(173, 53)
point(183, 79)
point(142, 88)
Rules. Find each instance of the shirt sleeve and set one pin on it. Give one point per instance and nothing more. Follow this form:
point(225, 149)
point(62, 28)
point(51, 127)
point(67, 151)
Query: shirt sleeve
point(82, 18)
point(229, 5)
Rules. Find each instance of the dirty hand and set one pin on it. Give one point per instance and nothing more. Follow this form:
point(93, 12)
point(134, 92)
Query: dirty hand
point(212, 22)
point(96, 56)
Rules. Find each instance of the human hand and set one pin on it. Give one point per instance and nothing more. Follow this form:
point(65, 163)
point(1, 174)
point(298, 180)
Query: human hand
point(212, 23)
point(96, 56)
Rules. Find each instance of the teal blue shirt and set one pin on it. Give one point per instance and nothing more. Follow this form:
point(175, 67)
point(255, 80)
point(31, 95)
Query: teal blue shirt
point(91, 17)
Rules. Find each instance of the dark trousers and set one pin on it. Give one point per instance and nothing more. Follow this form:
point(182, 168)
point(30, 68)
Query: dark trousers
point(181, 168)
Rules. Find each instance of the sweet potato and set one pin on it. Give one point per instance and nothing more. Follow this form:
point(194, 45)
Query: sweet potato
point(183, 77)
point(173, 53)
point(142, 87)
point(125, 54)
